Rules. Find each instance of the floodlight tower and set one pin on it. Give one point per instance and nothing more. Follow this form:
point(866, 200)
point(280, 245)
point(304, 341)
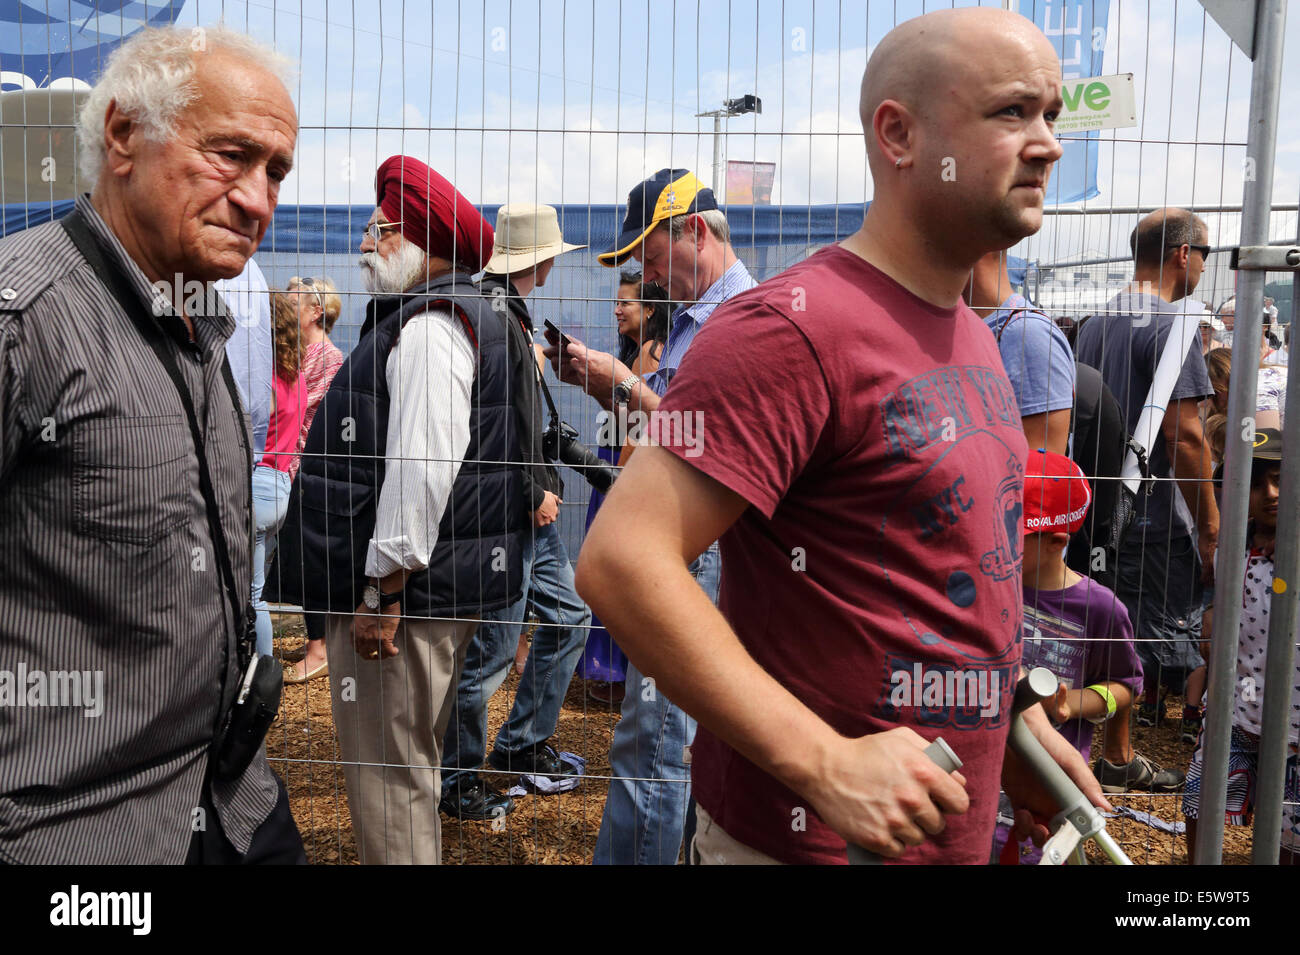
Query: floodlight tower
point(749, 103)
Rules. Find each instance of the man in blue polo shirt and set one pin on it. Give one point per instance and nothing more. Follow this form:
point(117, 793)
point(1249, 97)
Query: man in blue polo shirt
point(676, 231)
point(1034, 352)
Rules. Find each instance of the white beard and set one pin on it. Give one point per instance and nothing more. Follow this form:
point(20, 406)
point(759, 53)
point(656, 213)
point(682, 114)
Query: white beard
point(395, 273)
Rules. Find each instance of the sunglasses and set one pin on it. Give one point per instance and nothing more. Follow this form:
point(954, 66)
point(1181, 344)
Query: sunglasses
point(1203, 249)
point(309, 283)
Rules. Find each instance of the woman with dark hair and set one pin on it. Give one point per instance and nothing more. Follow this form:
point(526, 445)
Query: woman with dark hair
point(642, 312)
point(271, 479)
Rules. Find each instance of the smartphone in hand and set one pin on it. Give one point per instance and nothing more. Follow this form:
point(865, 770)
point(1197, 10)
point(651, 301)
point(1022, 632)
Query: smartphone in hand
point(559, 335)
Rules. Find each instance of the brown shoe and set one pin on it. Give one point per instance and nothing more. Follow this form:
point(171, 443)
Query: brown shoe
point(610, 694)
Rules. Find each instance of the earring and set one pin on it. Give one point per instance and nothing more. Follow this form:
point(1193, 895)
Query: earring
point(898, 163)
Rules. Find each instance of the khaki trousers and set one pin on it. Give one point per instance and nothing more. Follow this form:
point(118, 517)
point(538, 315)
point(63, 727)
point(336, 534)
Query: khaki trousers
point(712, 845)
point(390, 716)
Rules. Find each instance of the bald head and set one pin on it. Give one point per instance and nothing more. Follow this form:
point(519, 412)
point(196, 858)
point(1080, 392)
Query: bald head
point(917, 61)
point(959, 109)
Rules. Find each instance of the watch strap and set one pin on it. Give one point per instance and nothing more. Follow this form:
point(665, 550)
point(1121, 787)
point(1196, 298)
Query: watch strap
point(623, 390)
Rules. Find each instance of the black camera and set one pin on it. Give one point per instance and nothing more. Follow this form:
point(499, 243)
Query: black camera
point(560, 443)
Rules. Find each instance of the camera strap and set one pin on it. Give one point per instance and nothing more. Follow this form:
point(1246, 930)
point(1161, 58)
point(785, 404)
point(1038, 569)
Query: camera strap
point(546, 393)
point(75, 226)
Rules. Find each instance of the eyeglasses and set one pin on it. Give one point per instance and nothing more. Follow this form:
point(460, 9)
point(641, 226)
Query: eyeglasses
point(377, 230)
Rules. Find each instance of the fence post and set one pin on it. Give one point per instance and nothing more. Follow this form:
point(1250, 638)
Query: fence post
point(1265, 93)
point(1279, 673)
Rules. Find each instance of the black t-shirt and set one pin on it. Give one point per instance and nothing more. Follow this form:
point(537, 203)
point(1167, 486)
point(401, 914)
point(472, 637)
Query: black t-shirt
point(1124, 342)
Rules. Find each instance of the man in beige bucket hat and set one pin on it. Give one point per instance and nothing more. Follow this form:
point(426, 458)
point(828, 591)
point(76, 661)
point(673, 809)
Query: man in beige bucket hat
point(527, 236)
point(528, 239)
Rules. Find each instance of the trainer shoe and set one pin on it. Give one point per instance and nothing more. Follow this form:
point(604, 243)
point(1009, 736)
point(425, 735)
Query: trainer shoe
point(469, 797)
point(1150, 714)
point(1191, 728)
point(1139, 773)
point(540, 760)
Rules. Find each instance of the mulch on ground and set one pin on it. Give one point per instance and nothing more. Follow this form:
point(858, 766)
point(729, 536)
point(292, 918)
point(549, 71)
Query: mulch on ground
point(1140, 842)
point(542, 829)
point(562, 828)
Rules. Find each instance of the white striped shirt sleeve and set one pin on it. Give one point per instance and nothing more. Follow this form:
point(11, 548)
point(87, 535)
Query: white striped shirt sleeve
point(430, 384)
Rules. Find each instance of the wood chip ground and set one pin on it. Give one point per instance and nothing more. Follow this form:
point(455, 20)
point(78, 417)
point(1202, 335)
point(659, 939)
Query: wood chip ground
point(562, 829)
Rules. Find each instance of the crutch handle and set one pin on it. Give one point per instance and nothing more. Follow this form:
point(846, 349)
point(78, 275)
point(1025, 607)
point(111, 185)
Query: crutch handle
point(1076, 811)
point(1035, 686)
point(941, 755)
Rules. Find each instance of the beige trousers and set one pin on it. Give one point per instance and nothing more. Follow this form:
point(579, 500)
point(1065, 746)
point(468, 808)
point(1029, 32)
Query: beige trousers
point(391, 716)
point(712, 846)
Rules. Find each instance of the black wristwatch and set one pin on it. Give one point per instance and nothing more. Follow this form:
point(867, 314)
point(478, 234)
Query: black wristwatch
point(374, 598)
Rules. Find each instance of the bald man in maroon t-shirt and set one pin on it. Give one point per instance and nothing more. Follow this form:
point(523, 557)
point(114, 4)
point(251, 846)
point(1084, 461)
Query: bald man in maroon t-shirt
point(866, 486)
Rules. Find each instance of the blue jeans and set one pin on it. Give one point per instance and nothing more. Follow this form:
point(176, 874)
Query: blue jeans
point(557, 647)
point(645, 812)
point(270, 506)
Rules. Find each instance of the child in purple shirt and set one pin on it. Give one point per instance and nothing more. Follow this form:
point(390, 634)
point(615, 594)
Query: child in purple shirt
point(1078, 629)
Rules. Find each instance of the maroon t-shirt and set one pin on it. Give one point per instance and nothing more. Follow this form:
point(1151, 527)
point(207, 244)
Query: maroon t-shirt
point(877, 573)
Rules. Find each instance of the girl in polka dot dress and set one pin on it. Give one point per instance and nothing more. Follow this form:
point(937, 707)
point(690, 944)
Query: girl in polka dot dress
point(1252, 647)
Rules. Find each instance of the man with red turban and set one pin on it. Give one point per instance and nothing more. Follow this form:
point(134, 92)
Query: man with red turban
point(410, 505)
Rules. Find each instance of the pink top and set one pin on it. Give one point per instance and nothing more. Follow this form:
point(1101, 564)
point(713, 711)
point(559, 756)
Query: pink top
point(319, 366)
point(286, 423)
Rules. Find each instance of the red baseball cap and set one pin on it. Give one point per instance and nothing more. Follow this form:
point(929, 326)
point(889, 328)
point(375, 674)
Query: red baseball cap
point(1057, 494)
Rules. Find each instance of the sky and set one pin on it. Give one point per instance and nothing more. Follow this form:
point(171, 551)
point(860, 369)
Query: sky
point(574, 101)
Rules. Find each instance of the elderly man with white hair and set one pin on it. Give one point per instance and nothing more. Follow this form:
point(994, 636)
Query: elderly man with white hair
point(125, 627)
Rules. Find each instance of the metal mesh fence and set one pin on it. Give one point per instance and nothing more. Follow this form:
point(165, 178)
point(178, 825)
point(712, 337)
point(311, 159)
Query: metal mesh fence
point(572, 104)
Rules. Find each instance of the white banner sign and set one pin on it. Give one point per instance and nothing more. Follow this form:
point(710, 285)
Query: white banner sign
point(1100, 102)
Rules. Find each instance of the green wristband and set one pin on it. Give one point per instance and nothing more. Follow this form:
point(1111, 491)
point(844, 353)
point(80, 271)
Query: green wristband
point(1109, 697)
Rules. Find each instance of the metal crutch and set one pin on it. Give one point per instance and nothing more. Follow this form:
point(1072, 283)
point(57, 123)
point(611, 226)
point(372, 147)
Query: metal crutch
point(1078, 819)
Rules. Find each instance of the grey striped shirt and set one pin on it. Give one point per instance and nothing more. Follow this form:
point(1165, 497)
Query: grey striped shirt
point(113, 619)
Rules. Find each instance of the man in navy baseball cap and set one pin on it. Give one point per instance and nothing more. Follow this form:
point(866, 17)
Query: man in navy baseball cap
point(675, 229)
point(669, 192)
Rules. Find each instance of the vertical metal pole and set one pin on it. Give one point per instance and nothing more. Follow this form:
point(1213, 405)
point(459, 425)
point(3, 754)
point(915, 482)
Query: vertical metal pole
point(1279, 665)
point(1265, 92)
point(717, 152)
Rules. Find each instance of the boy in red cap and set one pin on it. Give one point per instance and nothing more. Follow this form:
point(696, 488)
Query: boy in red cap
point(1077, 628)
point(1080, 630)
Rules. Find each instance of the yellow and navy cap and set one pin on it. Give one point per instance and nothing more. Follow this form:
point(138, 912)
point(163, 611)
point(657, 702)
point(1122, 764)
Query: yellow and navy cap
point(1266, 453)
point(669, 192)
point(1268, 445)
